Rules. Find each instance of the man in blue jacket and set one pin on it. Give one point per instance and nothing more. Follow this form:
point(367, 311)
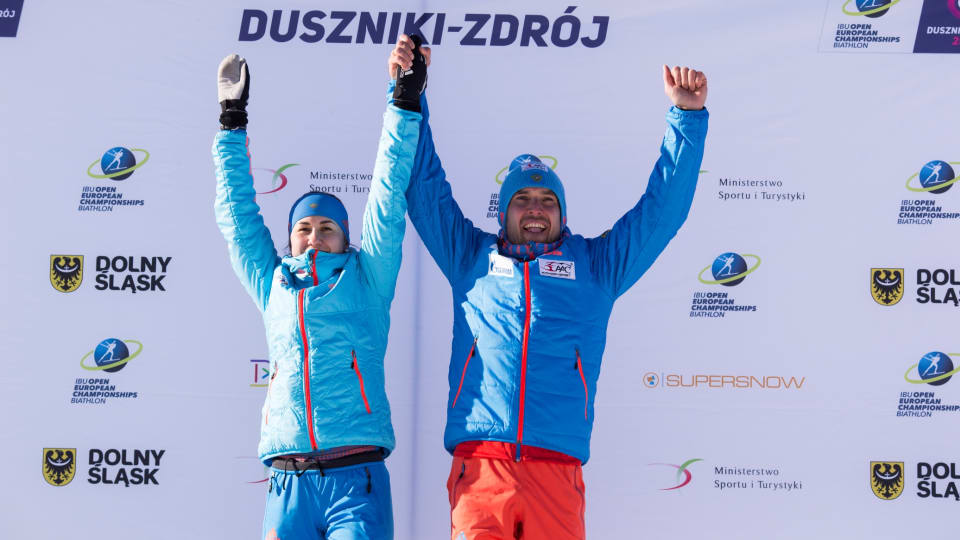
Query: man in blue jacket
point(530, 311)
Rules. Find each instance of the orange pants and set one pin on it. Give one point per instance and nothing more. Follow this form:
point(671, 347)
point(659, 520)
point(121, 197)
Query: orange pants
point(498, 499)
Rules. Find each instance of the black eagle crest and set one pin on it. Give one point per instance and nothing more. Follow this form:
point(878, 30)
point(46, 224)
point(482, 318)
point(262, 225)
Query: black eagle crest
point(58, 464)
point(887, 479)
point(65, 271)
point(887, 285)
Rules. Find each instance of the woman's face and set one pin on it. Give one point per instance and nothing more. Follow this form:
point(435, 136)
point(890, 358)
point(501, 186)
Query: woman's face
point(317, 232)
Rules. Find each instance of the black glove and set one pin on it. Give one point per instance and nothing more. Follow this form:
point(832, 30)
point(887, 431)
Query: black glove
point(233, 89)
point(412, 82)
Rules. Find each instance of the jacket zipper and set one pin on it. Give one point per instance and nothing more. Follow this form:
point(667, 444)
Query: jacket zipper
point(306, 369)
point(523, 356)
point(464, 374)
point(306, 353)
point(356, 368)
point(586, 395)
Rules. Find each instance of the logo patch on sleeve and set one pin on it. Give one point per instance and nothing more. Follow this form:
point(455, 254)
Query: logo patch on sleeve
point(558, 269)
point(500, 265)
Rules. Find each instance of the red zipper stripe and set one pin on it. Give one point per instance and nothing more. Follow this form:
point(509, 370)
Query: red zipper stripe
point(313, 267)
point(356, 368)
point(464, 374)
point(306, 369)
point(584, 379)
point(523, 357)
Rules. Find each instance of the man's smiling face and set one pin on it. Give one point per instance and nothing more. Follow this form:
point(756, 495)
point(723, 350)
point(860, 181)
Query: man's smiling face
point(533, 216)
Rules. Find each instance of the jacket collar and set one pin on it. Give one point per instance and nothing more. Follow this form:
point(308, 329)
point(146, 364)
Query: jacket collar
point(312, 266)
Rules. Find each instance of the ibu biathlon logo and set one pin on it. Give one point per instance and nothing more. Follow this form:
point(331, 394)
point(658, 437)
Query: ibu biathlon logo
point(493, 207)
point(728, 269)
point(933, 369)
point(109, 356)
point(886, 285)
point(868, 8)
point(887, 479)
point(683, 475)
point(261, 373)
point(66, 272)
point(116, 164)
point(278, 180)
point(934, 178)
point(864, 26)
point(59, 465)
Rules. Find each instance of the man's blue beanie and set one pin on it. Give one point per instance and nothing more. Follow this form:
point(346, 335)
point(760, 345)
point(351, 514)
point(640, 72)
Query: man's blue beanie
point(317, 203)
point(526, 170)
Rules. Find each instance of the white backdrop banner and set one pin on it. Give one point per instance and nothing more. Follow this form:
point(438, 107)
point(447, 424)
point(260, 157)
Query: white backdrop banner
point(786, 369)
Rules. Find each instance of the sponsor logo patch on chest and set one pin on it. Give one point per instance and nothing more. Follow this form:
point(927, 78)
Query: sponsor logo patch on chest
point(500, 265)
point(558, 269)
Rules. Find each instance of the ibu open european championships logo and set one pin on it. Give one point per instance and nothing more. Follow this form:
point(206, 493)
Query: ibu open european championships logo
point(928, 375)
point(729, 269)
point(936, 176)
point(868, 8)
point(111, 355)
point(118, 163)
point(934, 369)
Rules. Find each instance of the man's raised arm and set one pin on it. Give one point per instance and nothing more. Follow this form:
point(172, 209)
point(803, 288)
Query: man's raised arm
point(622, 254)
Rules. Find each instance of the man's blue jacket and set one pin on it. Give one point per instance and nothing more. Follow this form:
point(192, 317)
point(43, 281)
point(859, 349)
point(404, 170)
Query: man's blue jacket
point(528, 336)
point(326, 314)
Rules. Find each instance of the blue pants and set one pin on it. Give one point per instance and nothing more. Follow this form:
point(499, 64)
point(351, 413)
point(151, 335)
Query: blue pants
point(347, 503)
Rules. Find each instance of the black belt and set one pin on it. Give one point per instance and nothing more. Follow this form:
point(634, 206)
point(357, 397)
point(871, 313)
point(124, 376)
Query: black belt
point(309, 464)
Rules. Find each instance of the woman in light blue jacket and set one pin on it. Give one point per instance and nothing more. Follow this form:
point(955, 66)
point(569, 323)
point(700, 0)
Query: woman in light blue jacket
point(325, 427)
